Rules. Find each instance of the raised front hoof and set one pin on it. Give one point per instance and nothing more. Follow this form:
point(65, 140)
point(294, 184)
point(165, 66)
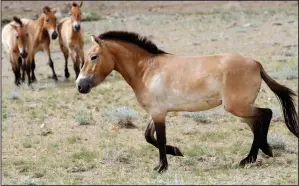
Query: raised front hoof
point(161, 168)
point(267, 150)
point(247, 160)
point(66, 74)
point(177, 152)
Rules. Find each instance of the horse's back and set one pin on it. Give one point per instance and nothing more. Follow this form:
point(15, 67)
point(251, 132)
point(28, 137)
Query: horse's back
point(7, 36)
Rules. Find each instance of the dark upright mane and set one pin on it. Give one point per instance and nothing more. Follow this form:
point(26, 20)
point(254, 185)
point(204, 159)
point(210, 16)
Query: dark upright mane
point(17, 20)
point(74, 4)
point(46, 9)
point(133, 38)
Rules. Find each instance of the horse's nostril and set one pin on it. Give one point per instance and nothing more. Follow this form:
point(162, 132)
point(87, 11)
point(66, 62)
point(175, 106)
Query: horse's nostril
point(79, 88)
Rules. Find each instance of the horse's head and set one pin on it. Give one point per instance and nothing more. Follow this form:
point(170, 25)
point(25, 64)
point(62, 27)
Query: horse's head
point(49, 21)
point(21, 36)
point(98, 65)
point(76, 16)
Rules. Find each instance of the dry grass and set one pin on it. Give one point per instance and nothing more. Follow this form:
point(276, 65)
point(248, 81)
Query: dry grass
point(51, 134)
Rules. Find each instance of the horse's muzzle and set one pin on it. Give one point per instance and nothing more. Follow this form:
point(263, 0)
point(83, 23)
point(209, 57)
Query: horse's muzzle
point(84, 84)
point(54, 35)
point(77, 28)
point(23, 54)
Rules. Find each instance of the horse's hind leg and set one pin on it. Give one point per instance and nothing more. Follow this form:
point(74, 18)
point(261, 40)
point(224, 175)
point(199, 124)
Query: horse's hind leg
point(149, 136)
point(264, 119)
point(258, 120)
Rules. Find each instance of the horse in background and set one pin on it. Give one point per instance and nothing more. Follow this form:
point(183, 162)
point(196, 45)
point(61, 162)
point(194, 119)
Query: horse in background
point(42, 31)
point(16, 41)
point(71, 40)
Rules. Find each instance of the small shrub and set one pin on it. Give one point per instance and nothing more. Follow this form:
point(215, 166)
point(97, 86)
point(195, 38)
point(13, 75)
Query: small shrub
point(197, 116)
point(90, 16)
point(73, 139)
point(27, 144)
point(26, 180)
point(123, 116)
point(116, 155)
point(83, 117)
point(14, 96)
point(277, 142)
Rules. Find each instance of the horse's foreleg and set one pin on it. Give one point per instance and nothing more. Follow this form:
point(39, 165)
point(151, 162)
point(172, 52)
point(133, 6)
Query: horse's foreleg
point(149, 136)
point(65, 52)
point(76, 63)
point(33, 78)
point(21, 65)
point(51, 64)
point(16, 69)
point(28, 69)
point(161, 142)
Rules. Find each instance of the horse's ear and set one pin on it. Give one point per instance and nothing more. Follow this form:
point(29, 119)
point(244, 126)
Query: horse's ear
point(95, 39)
point(53, 10)
point(81, 3)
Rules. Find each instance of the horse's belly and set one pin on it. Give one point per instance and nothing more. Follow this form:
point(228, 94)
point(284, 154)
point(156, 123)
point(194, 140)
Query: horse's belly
point(193, 102)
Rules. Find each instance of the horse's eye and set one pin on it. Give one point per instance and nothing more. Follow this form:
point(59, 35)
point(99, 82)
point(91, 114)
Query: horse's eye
point(27, 35)
point(94, 58)
point(47, 20)
point(17, 37)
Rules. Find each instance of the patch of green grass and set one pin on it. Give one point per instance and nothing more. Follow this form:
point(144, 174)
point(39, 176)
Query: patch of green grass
point(27, 144)
point(90, 16)
point(73, 139)
point(84, 155)
point(218, 136)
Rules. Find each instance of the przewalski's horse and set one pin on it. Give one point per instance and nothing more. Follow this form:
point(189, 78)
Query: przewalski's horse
point(16, 41)
point(199, 83)
point(42, 31)
point(71, 39)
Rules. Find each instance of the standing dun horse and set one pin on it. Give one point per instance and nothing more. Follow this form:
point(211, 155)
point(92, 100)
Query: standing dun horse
point(42, 31)
point(199, 83)
point(16, 41)
point(71, 39)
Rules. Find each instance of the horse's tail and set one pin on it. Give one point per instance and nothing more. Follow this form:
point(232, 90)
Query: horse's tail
point(284, 95)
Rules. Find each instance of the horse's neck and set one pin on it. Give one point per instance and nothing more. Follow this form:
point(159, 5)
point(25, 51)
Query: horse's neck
point(129, 62)
point(38, 28)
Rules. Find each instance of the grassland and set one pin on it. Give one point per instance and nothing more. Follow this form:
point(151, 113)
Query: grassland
point(51, 134)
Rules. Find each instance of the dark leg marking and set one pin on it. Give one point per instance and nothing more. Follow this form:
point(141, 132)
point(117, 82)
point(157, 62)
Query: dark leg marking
point(33, 78)
point(51, 64)
point(260, 126)
point(161, 139)
point(149, 136)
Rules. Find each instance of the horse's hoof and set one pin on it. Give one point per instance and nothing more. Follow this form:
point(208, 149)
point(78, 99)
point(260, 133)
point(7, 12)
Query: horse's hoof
point(177, 152)
point(67, 74)
point(55, 78)
point(161, 168)
point(267, 150)
point(247, 160)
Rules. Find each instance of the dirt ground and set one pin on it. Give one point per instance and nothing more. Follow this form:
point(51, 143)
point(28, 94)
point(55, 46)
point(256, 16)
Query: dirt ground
point(45, 142)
